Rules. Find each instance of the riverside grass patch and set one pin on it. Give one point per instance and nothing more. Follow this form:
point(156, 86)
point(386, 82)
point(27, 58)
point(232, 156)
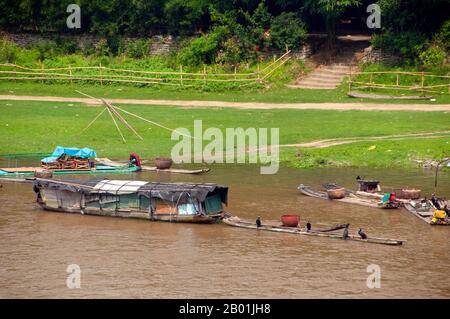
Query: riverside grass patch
point(27, 126)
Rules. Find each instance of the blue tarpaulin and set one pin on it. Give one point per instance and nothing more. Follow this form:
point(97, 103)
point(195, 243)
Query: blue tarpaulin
point(70, 151)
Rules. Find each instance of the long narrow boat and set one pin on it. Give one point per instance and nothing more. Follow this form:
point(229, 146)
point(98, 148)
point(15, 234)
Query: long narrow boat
point(99, 169)
point(237, 222)
point(351, 198)
point(107, 161)
point(425, 211)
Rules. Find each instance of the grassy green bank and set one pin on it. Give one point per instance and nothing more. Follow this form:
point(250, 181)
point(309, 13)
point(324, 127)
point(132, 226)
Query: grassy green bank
point(40, 126)
point(274, 94)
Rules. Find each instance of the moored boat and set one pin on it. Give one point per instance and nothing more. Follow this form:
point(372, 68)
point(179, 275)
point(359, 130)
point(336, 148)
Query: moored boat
point(68, 161)
point(427, 212)
point(237, 222)
point(171, 202)
point(357, 198)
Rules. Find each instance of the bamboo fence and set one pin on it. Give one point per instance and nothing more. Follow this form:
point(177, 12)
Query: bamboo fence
point(102, 74)
point(417, 82)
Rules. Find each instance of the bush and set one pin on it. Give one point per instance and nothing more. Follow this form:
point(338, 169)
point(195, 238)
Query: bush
point(101, 48)
point(46, 49)
point(408, 44)
point(203, 50)
point(8, 51)
point(434, 56)
point(443, 36)
point(137, 49)
point(287, 29)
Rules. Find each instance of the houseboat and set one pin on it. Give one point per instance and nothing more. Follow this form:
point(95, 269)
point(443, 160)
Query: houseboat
point(170, 202)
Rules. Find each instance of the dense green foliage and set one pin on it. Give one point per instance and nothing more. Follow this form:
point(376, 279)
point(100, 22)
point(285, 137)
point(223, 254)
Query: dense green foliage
point(418, 30)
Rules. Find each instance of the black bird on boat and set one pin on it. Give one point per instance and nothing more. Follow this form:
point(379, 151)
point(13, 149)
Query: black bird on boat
point(258, 222)
point(362, 234)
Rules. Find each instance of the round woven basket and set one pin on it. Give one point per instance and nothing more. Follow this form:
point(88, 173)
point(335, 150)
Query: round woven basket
point(410, 193)
point(163, 162)
point(43, 173)
point(336, 193)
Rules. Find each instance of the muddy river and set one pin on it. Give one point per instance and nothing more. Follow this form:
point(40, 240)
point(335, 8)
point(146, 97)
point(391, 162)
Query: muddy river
point(142, 259)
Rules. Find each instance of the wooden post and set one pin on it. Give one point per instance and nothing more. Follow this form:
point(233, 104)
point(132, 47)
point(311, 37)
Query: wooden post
point(398, 79)
point(204, 74)
point(423, 83)
point(371, 79)
point(70, 73)
point(350, 80)
point(181, 74)
point(259, 75)
point(101, 74)
point(235, 77)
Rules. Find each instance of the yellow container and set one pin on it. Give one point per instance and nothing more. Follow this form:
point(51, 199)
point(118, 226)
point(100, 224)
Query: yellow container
point(439, 214)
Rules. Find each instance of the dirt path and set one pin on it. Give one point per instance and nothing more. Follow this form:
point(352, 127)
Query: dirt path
point(243, 105)
point(346, 140)
point(350, 140)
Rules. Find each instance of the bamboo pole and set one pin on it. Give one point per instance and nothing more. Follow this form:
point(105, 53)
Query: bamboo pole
point(115, 123)
point(181, 74)
point(92, 122)
point(204, 74)
point(121, 118)
point(101, 74)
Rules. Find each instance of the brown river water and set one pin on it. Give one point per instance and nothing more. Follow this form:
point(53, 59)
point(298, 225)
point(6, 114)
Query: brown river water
point(142, 259)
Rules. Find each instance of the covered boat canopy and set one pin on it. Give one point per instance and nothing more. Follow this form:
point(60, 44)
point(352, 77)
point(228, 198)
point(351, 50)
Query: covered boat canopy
point(174, 192)
point(70, 151)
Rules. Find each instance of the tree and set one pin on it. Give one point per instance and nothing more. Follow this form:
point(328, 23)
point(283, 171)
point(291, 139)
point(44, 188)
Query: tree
point(331, 10)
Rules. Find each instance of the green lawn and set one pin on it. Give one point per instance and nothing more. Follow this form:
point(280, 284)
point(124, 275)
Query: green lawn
point(40, 126)
point(276, 94)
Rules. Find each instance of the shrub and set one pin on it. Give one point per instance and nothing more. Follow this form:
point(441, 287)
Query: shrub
point(46, 49)
point(137, 49)
point(203, 50)
point(443, 36)
point(434, 56)
point(8, 51)
point(287, 29)
point(101, 48)
point(408, 44)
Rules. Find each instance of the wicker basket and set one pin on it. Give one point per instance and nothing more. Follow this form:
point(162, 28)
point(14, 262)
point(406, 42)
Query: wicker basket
point(163, 162)
point(336, 193)
point(43, 173)
point(410, 193)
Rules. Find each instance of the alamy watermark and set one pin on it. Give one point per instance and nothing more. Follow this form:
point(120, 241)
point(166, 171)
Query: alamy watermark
point(241, 146)
point(374, 19)
point(74, 279)
point(73, 21)
point(374, 279)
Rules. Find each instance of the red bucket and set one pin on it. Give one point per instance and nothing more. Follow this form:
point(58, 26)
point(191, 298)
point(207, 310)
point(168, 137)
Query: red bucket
point(290, 220)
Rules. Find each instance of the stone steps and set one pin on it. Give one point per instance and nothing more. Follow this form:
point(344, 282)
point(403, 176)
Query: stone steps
point(325, 77)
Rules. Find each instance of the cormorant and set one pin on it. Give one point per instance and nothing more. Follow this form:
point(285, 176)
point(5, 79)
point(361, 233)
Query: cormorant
point(362, 234)
point(308, 226)
point(258, 222)
point(345, 234)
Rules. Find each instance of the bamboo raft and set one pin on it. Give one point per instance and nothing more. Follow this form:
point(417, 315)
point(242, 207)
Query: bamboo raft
point(237, 222)
point(107, 161)
point(358, 198)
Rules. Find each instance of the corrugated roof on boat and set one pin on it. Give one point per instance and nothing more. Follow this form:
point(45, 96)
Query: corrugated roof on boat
point(118, 187)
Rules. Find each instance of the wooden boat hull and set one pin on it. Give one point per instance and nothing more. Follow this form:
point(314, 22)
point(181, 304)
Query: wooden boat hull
point(426, 216)
point(236, 222)
point(107, 161)
point(126, 213)
point(352, 198)
point(93, 171)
